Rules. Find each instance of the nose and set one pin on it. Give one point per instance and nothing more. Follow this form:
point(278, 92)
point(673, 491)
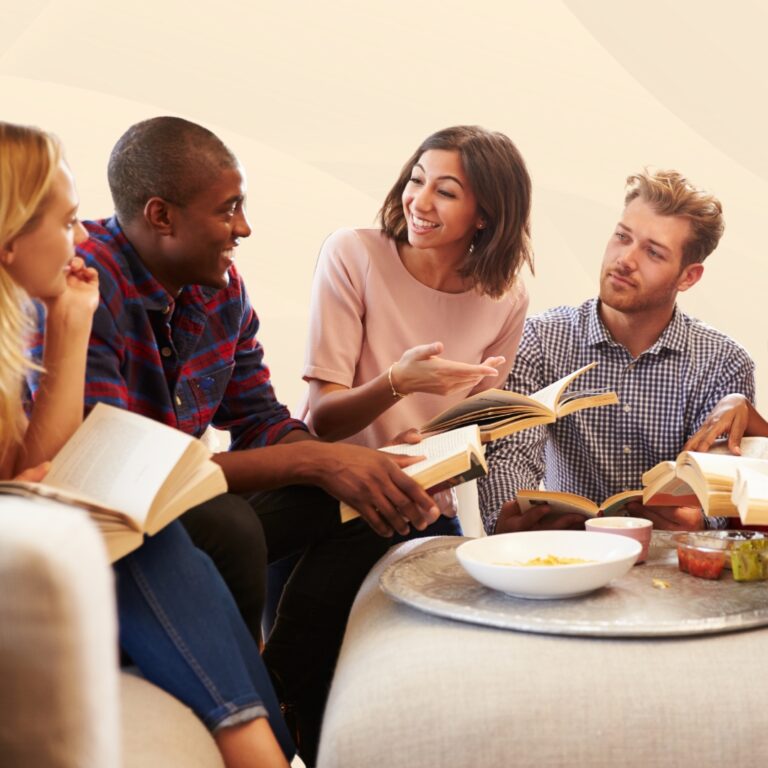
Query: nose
point(241, 226)
point(81, 233)
point(627, 258)
point(422, 199)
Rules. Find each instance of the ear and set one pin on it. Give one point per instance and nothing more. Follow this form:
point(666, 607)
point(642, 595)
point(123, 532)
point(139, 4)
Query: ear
point(158, 214)
point(7, 254)
point(690, 276)
point(481, 224)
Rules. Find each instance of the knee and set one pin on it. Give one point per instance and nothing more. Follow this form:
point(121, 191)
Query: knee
point(228, 523)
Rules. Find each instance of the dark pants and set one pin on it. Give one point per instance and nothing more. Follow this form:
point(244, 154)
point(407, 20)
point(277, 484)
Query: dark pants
point(333, 560)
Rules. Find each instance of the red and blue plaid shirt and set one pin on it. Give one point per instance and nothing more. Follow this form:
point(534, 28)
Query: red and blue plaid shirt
point(188, 361)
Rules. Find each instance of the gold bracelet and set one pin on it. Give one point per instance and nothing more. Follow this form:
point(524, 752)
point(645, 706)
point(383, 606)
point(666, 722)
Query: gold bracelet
point(397, 395)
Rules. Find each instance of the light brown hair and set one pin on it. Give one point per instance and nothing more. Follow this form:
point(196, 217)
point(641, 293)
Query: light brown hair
point(669, 193)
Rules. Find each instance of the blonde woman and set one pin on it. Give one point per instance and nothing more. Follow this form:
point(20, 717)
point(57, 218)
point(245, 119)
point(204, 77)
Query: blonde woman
point(178, 622)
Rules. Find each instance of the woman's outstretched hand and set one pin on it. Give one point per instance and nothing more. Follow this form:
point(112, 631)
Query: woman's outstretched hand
point(421, 369)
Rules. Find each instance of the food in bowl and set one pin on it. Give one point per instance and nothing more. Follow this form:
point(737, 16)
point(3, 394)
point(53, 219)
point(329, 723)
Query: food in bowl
point(704, 558)
point(749, 560)
point(502, 562)
point(707, 554)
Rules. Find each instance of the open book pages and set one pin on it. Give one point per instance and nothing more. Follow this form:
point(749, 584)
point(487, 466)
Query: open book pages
point(561, 502)
point(704, 480)
point(133, 475)
point(450, 458)
point(750, 495)
point(499, 412)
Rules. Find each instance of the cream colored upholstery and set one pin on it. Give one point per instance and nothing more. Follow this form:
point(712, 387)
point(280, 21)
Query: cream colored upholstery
point(61, 696)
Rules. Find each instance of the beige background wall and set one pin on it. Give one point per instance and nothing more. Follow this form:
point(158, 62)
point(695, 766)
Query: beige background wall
point(323, 102)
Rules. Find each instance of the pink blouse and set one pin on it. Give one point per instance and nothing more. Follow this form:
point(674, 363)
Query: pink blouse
point(367, 309)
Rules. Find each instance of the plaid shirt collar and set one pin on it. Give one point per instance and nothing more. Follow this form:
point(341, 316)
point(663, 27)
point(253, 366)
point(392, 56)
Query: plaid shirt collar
point(673, 337)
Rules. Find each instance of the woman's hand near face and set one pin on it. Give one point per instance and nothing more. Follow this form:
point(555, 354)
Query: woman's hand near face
point(77, 303)
point(420, 369)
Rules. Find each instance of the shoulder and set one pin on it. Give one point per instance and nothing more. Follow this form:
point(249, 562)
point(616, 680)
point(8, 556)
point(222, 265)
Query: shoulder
point(706, 341)
point(103, 251)
point(348, 244)
point(351, 254)
point(558, 320)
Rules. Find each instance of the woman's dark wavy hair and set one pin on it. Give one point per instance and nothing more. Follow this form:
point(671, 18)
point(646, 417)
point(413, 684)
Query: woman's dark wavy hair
point(499, 179)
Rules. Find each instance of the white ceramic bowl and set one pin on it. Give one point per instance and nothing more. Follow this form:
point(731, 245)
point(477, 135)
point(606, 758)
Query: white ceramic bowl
point(496, 561)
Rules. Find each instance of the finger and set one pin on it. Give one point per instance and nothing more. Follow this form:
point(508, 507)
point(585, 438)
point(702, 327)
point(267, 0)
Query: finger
point(421, 506)
point(562, 521)
point(403, 460)
point(494, 362)
point(424, 351)
point(371, 515)
point(738, 427)
point(392, 516)
point(410, 436)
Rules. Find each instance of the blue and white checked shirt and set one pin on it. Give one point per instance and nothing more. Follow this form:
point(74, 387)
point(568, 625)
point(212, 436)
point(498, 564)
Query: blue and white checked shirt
point(665, 394)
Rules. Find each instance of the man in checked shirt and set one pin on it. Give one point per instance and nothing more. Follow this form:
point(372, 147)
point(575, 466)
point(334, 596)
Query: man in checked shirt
point(668, 369)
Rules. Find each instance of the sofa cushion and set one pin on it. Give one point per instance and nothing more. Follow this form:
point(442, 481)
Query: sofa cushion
point(158, 730)
point(58, 639)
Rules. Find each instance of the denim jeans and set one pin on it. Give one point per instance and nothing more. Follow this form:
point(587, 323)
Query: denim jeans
point(181, 627)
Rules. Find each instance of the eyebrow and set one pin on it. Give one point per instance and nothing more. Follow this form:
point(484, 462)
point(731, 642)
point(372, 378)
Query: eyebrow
point(654, 242)
point(446, 177)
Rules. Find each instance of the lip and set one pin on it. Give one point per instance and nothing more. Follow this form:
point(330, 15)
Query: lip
point(418, 228)
point(618, 279)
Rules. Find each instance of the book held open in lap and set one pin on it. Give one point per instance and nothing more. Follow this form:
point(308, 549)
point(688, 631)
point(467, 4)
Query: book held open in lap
point(561, 502)
point(499, 412)
point(720, 483)
point(131, 474)
point(451, 458)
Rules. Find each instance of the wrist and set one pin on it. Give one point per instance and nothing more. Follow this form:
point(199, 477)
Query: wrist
point(394, 386)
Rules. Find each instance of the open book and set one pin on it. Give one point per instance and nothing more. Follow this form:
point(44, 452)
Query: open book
point(451, 458)
point(563, 502)
point(750, 495)
point(707, 480)
point(133, 476)
point(499, 412)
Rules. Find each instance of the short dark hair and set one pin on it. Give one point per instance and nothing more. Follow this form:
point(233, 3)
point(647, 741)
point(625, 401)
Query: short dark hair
point(669, 193)
point(166, 157)
point(499, 179)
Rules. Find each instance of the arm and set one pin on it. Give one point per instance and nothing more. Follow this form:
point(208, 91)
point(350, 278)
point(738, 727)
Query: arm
point(58, 406)
point(728, 409)
point(339, 411)
point(369, 481)
point(516, 461)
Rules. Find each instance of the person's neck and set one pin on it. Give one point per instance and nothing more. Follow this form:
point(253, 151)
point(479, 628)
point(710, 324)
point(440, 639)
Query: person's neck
point(146, 247)
point(437, 269)
point(637, 331)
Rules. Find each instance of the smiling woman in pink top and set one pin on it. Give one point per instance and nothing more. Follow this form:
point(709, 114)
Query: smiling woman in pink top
point(410, 318)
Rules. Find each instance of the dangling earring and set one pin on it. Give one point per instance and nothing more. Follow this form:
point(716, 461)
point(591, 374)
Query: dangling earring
point(471, 248)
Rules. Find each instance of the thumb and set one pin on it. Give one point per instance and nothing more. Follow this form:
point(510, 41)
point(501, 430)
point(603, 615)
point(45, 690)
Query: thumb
point(425, 351)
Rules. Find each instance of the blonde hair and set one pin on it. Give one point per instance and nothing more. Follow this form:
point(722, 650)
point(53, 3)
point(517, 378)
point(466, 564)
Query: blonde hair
point(29, 158)
point(669, 193)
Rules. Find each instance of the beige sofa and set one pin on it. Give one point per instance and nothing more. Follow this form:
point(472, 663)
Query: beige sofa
point(63, 701)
